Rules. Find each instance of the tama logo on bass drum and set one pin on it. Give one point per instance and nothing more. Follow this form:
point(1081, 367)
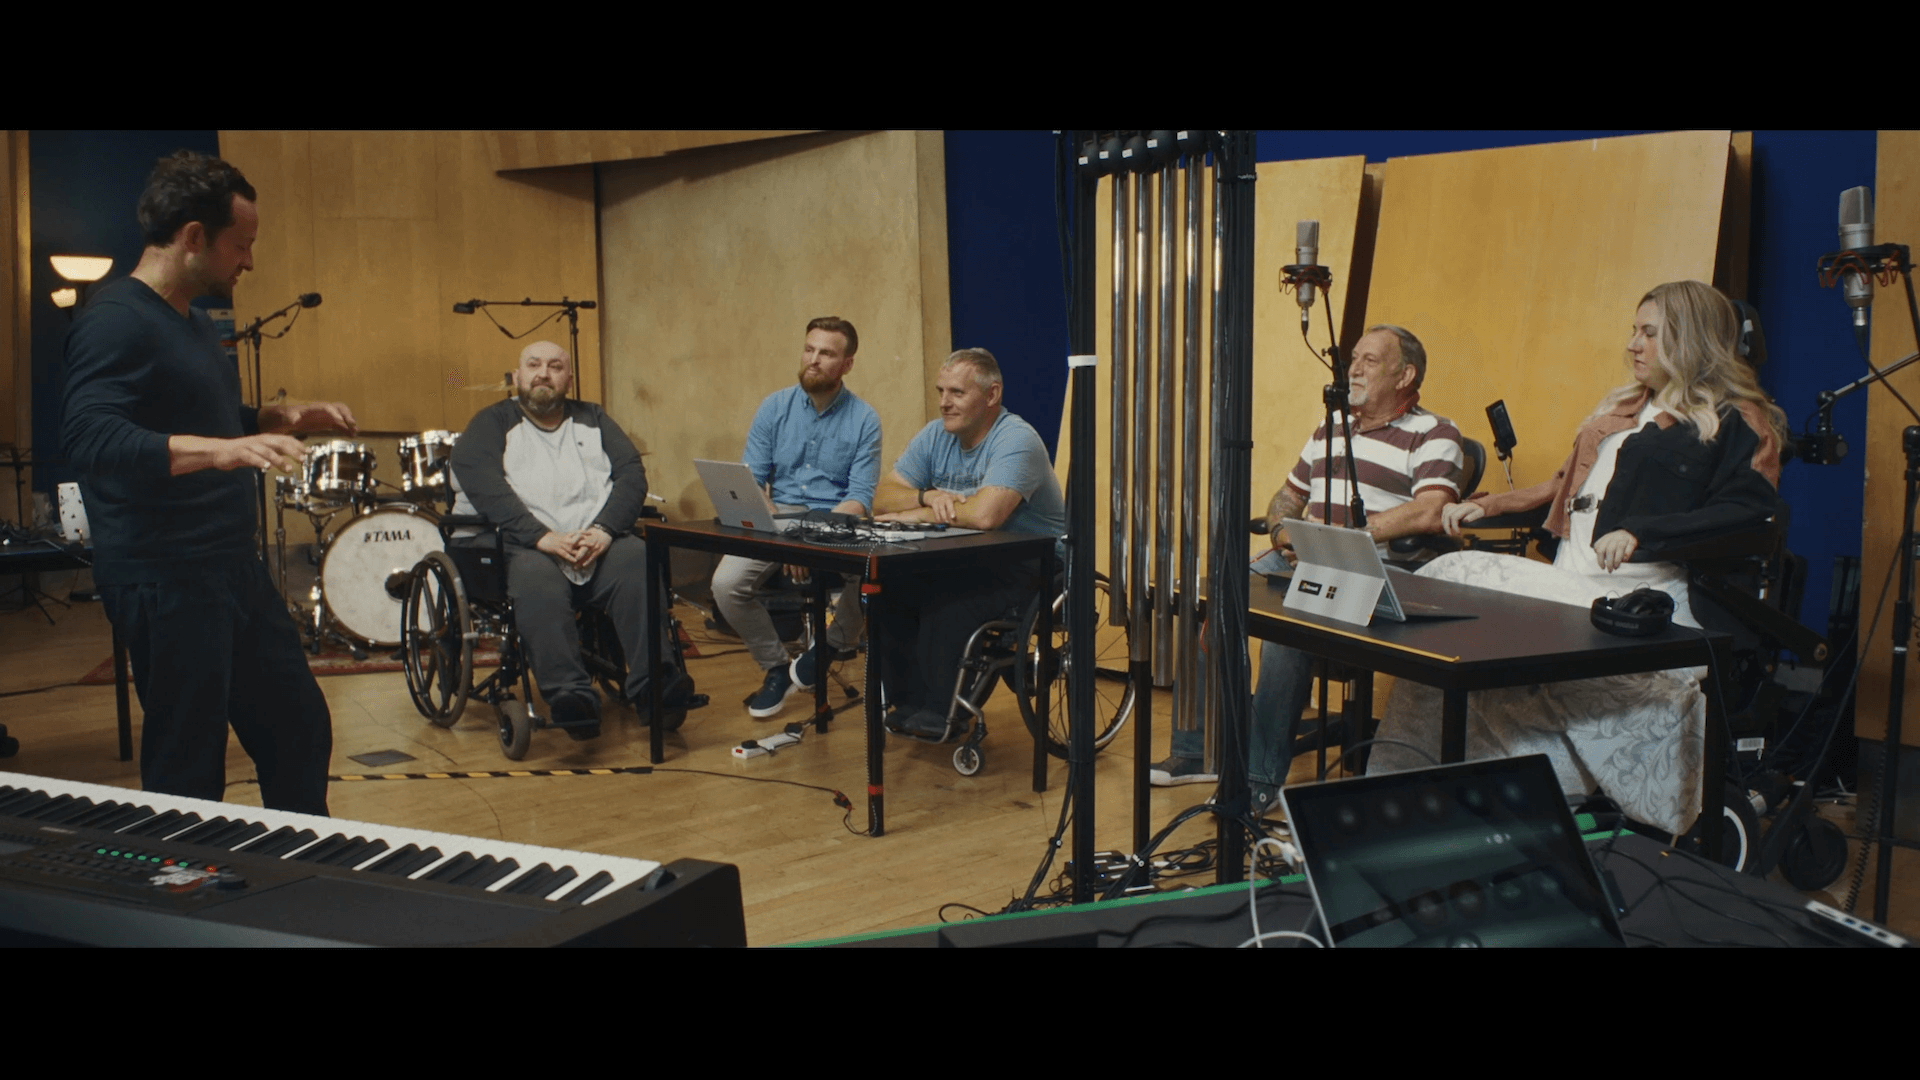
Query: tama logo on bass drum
point(381, 536)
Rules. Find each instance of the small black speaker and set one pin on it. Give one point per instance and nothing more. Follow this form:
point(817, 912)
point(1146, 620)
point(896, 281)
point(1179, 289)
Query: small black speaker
point(1642, 612)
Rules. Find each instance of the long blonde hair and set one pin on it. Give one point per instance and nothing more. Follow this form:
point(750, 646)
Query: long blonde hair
point(1698, 349)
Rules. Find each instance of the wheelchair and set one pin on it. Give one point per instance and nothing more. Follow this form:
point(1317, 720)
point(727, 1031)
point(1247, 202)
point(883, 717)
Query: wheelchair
point(454, 598)
point(1008, 650)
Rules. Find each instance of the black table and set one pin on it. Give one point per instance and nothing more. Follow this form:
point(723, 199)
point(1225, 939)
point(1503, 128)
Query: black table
point(873, 565)
point(1512, 641)
point(46, 557)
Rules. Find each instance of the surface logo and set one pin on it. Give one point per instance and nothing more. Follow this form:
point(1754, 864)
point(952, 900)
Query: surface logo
point(382, 536)
point(1310, 588)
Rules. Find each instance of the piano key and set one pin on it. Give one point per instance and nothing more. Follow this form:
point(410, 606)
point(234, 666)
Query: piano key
point(52, 810)
point(165, 824)
point(127, 815)
point(15, 800)
point(100, 812)
point(358, 850)
point(318, 852)
point(538, 881)
point(279, 842)
point(446, 870)
point(590, 887)
point(483, 876)
point(405, 861)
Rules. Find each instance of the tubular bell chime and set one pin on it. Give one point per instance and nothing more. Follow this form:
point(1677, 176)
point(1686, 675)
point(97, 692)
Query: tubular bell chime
point(1154, 589)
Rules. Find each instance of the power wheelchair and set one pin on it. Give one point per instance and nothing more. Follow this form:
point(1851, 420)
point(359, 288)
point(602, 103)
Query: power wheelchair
point(453, 598)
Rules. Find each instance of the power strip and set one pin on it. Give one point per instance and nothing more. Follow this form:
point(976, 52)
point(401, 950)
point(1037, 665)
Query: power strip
point(765, 745)
point(1867, 933)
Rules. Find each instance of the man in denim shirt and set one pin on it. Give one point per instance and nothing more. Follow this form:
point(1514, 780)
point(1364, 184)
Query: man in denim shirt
point(817, 447)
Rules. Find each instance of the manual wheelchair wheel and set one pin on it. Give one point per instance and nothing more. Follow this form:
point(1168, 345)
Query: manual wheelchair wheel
point(437, 641)
point(1112, 689)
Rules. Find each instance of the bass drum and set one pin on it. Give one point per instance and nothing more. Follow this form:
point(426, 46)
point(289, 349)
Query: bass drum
point(363, 560)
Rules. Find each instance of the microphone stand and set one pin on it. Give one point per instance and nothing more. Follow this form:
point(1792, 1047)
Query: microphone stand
point(251, 334)
point(1883, 261)
point(571, 309)
point(1333, 397)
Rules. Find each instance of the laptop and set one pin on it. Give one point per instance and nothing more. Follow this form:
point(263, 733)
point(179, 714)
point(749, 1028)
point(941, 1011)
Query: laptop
point(1340, 575)
point(740, 500)
point(1483, 854)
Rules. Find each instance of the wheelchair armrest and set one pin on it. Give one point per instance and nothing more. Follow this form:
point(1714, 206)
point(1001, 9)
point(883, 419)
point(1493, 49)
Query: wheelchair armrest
point(1519, 519)
point(462, 521)
point(1738, 543)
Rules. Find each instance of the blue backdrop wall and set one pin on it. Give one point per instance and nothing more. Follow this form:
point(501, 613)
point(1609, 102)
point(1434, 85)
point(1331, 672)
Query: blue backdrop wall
point(84, 186)
point(1007, 292)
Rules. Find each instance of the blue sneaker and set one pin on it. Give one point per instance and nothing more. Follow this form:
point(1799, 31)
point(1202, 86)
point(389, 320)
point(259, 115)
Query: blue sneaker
point(802, 670)
point(772, 695)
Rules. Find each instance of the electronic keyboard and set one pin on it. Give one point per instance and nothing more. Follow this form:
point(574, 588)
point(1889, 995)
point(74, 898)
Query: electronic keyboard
point(96, 865)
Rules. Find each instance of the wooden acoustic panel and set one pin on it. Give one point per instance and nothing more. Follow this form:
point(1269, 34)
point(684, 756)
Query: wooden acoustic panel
point(1519, 269)
point(1897, 219)
point(714, 262)
point(1287, 377)
point(392, 228)
point(546, 149)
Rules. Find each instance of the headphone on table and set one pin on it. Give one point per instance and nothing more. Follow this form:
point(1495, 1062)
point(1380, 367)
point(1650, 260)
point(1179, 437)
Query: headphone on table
point(1644, 611)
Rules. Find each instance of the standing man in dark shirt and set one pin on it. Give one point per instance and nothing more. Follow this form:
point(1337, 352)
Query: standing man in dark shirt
point(168, 459)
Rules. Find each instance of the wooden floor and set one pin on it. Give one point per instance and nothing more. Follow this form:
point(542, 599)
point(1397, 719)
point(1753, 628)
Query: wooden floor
point(950, 839)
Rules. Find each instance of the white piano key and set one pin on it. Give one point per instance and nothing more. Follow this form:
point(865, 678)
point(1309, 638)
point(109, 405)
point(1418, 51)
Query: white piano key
point(585, 863)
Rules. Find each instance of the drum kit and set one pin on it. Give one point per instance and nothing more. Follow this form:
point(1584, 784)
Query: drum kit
point(364, 561)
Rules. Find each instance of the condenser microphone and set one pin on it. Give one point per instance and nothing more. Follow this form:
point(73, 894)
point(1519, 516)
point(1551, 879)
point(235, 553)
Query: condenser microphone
point(1306, 252)
point(1856, 231)
point(311, 299)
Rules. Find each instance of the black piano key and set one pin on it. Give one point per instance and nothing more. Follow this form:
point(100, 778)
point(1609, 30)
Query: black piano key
point(484, 875)
point(542, 880)
point(457, 865)
point(318, 852)
point(586, 889)
point(202, 831)
point(101, 812)
point(165, 824)
point(530, 882)
point(53, 809)
point(358, 851)
point(127, 815)
point(20, 798)
point(280, 841)
point(241, 832)
point(405, 861)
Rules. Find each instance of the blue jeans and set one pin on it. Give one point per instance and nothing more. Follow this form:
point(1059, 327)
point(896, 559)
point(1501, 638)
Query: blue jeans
point(1286, 677)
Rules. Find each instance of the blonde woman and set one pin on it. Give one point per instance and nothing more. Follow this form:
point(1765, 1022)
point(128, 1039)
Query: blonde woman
point(1689, 449)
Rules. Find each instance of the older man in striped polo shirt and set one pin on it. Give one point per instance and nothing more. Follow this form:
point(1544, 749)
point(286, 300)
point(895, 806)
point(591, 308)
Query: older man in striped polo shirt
point(1409, 463)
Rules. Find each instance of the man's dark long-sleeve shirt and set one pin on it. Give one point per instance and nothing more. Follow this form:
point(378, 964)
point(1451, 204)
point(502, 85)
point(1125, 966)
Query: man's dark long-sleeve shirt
point(138, 372)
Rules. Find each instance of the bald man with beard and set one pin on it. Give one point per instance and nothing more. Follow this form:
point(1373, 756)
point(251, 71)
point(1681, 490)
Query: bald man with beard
point(564, 485)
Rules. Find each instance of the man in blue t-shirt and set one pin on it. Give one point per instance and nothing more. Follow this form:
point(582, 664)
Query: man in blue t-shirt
point(978, 467)
point(815, 446)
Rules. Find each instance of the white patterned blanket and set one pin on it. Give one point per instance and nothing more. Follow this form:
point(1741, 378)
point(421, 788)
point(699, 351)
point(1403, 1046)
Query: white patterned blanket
point(1638, 738)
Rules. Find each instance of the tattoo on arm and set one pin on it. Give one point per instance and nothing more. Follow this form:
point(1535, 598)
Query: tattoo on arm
point(1287, 503)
